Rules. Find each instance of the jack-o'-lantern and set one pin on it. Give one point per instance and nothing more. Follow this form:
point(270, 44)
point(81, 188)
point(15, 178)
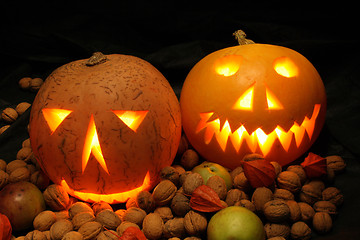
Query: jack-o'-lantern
point(253, 98)
point(103, 128)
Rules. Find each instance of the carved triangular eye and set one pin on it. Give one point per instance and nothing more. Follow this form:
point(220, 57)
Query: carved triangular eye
point(132, 119)
point(272, 101)
point(54, 117)
point(245, 100)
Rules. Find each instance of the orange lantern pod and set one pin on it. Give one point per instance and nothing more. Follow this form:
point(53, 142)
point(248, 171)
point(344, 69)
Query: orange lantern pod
point(252, 98)
point(103, 128)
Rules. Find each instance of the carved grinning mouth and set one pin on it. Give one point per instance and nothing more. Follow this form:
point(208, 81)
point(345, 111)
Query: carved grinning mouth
point(257, 138)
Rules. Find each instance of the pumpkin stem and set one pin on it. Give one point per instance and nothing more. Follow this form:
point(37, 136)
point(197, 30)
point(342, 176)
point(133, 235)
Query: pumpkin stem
point(96, 58)
point(240, 36)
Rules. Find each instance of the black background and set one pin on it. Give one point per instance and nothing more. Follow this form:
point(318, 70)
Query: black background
point(37, 38)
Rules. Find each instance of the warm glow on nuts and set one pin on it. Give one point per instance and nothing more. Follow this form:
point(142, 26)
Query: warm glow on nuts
point(109, 198)
point(285, 67)
point(228, 65)
point(54, 117)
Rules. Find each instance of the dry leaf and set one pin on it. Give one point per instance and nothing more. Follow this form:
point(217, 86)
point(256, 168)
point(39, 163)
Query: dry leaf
point(314, 165)
point(205, 199)
point(260, 173)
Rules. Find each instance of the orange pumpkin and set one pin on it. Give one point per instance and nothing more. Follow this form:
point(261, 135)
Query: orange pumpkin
point(104, 130)
point(253, 98)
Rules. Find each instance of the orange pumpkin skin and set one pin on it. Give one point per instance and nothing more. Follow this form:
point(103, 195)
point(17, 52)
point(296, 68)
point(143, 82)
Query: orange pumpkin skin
point(94, 97)
point(241, 99)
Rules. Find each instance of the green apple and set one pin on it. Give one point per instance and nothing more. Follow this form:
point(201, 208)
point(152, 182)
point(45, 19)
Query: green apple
point(21, 202)
point(235, 223)
point(209, 169)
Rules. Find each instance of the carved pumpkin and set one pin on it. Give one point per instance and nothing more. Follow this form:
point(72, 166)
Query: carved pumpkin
point(105, 130)
point(253, 98)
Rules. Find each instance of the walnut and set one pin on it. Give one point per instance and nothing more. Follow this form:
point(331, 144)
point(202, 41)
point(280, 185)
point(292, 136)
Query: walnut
point(336, 163)
point(234, 195)
point(81, 218)
point(307, 212)
point(60, 228)
point(99, 206)
point(277, 166)
point(44, 220)
point(153, 226)
point(107, 235)
point(289, 180)
point(73, 235)
point(121, 213)
point(189, 159)
point(333, 195)
point(145, 201)
point(241, 182)
point(11, 166)
point(180, 169)
point(64, 214)
point(108, 218)
point(165, 213)
point(310, 194)
point(3, 128)
point(300, 231)
point(124, 225)
point(134, 215)
point(183, 145)
point(174, 228)
point(218, 185)
point(9, 115)
point(277, 230)
point(24, 83)
point(261, 196)
point(164, 192)
point(183, 177)
point(171, 174)
point(299, 170)
point(192, 181)
point(35, 84)
point(276, 210)
point(90, 230)
point(35, 235)
point(246, 204)
point(4, 177)
point(79, 207)
point(325, 206)
point(235, 172)
point(22, 107)
point(195, 223)
point(25, 154)
point(295, 211)
point(40, 179)
point(3, 165)
point(56, 197)
point(19, 174)
point(180, 204)
point(322, 222)
point(283, 194)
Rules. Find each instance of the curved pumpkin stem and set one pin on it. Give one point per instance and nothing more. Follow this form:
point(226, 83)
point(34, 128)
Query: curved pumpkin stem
point(240, 36)
point(96, 58)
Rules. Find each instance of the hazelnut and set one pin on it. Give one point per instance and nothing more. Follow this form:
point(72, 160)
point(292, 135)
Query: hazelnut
point(81, 218)
point(44, 220)
point(299, 170)
point(174, 228)
point(145, 201)
point(307, 212)
point(90, 230)
point(189, 159)
point(322, 222)
point(195, 223)
point(56, 197)
point(289, 180)
point(22, 107)
point(260, 197)
point(180, 205)
point(169, 173)
point(276, 211)
point(192, 181)
point(165, 213)
point(153, 226)
point(60, 228)
point(336, 163)
point(310, 194)
point(24, 83)
point(333, 195)
point(9, 115)
point(300, 231)
point(218, 185)
point(35, 84)
point(73, 235)
point(134, 215)
point(164, 192)
point(277, 230)
point(234, 195)
point(325, 206)
point(109, 219)
point(79, 207)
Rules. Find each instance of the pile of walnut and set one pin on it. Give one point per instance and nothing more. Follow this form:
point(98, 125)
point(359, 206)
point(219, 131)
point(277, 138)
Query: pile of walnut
point(291, 209)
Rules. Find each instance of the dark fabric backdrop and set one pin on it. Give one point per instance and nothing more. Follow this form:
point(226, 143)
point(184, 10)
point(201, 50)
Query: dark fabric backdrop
point(37, 38)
